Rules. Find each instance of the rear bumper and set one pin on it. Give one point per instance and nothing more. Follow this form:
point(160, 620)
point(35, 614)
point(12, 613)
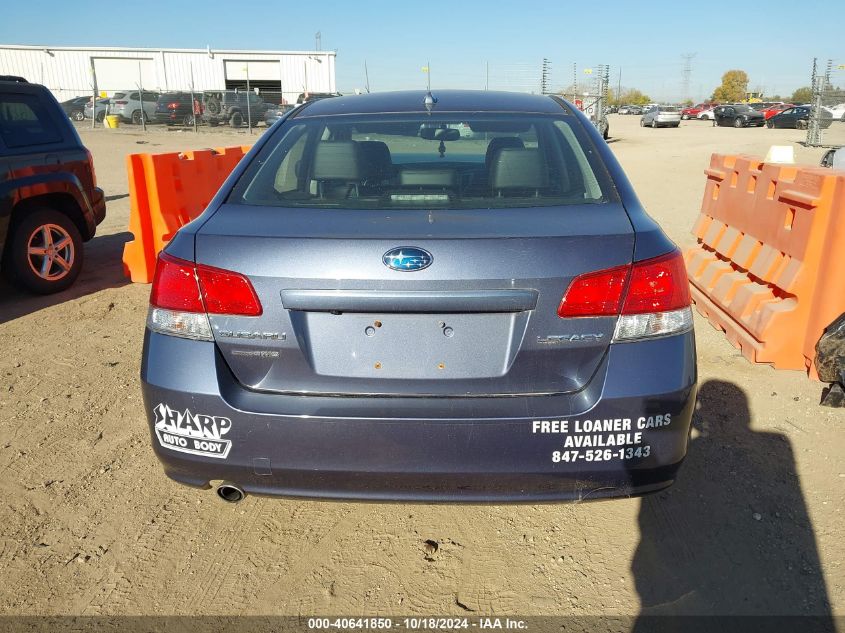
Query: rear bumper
point(509, 449)
point(167, 117)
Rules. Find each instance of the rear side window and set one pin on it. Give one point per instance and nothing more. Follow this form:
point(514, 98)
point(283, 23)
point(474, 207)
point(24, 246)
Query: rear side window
point(414, 161)
point(24, 121)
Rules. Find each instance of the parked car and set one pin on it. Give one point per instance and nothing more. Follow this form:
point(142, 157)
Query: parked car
point(707, 115)
point(834, 158)
point(75, 108)
point(661, 116)
point(798, 118)
point(101, 109)
point(300, 342)
point(129, 106)
point(175, 108)
point(624, 109)
point(232, 107)
point(692, 112)
point(49, 200)
point(276, 112)
point(739, 115)
point(837, 112)
point(305, 97)
point(637, 110)
point(772, 110)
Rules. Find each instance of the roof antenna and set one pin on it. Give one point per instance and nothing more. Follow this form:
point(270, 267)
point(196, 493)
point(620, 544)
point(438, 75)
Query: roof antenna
point(367, 76)
point(429, 100)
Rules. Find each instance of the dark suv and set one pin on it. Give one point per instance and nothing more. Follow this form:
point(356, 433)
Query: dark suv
point(232, 107)
point(49, 202)
point(175, 108)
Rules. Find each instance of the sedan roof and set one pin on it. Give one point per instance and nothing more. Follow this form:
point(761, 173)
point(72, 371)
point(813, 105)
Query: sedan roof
point(447, 101)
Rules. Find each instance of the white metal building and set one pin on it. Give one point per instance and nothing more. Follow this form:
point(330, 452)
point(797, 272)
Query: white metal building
point(74, 71)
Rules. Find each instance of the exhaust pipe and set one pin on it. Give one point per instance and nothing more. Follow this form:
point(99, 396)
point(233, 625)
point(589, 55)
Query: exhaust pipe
point(230, 493)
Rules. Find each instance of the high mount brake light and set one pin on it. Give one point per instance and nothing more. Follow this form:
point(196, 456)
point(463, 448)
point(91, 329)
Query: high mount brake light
point(651, 297)
point(183, 293)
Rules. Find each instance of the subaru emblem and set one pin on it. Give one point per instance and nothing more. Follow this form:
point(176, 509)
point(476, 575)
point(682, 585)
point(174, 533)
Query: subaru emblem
point(407, 258)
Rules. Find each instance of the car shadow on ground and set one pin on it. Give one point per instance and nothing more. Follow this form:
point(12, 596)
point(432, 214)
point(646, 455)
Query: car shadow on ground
point(102, 268)
point(733, 535)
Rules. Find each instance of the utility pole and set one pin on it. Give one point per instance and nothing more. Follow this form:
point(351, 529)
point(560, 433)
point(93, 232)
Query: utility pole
point(619, 87)
point(318, 37)
point(687, 72)
point(487, 75)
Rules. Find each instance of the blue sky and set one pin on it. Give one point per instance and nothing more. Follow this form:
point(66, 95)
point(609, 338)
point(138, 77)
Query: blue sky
point(645, 40)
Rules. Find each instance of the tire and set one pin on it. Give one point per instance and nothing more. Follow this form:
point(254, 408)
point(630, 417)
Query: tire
point(40, 272)
point(642, 123)
point(78, 115)
point(101, 116)
point(684, 117)
point(606, 134)
point(770, 124)
point(654, 124)
point(800, 125)
point(188, 121)
point(237, 120)
point(136, 117)
point(212, 105)
point(737, 122)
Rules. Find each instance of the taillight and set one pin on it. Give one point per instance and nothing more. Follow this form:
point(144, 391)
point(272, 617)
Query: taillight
point(651, 297)
point(172, 106)
point(657, 285)
point(91, 167)
point(184, 293)
point(175, 285)
point(121, 102)
point(226, 292)
point(594, 294)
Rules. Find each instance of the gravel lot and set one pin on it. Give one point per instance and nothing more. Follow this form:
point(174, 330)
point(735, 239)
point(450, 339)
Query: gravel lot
point(755, 524)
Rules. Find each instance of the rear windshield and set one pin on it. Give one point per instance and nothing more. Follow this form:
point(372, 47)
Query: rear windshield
point(668, 109)
point(464, 161)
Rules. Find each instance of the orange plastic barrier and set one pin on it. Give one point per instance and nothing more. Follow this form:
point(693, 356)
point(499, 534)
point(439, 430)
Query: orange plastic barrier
point(768, 266)
point(166, 191)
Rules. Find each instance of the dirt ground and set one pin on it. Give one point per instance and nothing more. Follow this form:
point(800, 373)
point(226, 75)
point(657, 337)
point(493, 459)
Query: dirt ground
point(90, 525)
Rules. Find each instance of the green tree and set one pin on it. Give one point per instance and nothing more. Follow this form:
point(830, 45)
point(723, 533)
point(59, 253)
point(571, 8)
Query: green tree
point(632, 96)
point(733, 87)
point(802, 95)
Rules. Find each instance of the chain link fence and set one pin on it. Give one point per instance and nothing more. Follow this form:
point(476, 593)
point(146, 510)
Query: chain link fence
point(826, 125)
point(140, 108)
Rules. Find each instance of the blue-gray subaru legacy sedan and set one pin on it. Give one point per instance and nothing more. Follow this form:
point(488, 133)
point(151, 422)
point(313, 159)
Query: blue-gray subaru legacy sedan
point(407, 296)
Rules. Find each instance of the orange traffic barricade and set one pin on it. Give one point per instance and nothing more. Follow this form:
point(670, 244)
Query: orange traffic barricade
point(166, 191)
point(764, 268)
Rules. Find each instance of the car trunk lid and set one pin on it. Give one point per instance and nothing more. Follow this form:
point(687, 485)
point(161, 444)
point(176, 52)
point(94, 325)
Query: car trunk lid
point(480, 320)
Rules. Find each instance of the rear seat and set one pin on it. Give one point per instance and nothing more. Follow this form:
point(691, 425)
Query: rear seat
point(517, 171)
point(338, 169)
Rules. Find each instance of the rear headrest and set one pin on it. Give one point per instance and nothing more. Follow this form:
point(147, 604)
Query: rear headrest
point(377, 158)
point(500, 142)
point(338, 160)
point(515, 168)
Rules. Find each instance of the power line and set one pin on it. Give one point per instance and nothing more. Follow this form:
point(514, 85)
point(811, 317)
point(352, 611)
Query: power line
point(687, 73)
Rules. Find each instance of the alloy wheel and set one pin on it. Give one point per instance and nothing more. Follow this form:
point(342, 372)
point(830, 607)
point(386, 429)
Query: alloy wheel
point(50, 252)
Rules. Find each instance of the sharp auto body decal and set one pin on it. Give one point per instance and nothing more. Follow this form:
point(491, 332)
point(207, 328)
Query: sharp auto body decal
point(187, 432)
